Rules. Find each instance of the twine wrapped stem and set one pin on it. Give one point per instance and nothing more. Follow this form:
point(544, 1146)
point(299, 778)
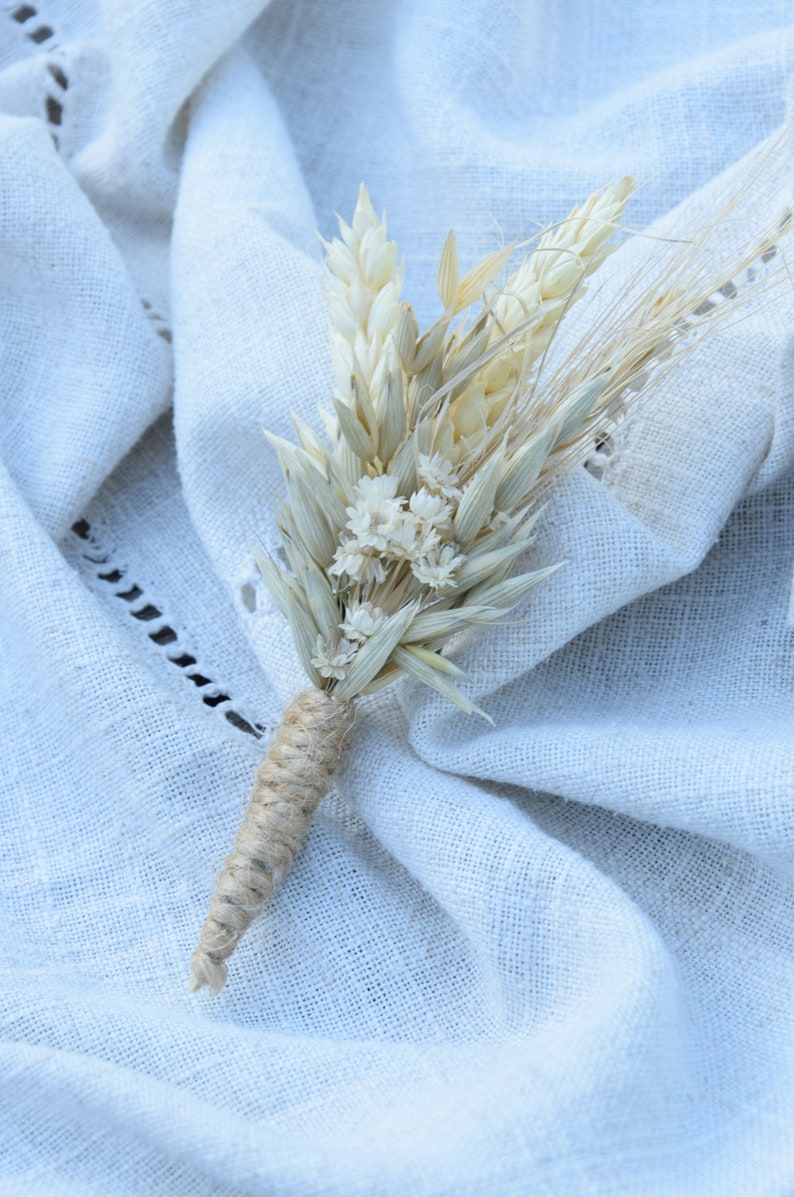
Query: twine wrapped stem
point(289, 784)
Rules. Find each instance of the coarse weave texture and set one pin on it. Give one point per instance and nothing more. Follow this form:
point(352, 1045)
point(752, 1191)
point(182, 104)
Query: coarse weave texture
point(552, 957)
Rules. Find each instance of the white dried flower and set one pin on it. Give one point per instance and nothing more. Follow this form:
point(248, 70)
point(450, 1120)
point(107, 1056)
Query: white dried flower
point(361, 622)
point(331, 659)
point(358, 562)
point(406, 537)
point(376, 490)
point(376, 511)
point(436, 570)
point(431, 509)
point(437, 473)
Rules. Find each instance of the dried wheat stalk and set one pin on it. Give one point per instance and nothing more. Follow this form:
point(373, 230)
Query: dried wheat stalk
point(402, 526)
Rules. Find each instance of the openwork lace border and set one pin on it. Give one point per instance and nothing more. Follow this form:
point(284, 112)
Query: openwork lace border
point(162, 635)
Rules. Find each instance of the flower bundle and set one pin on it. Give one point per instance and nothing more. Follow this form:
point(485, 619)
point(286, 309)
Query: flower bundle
point(401, 527)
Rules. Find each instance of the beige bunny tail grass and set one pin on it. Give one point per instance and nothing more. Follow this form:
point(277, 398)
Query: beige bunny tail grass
point(290, 783)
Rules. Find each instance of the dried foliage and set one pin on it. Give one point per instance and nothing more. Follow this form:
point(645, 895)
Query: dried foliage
point(401, 527)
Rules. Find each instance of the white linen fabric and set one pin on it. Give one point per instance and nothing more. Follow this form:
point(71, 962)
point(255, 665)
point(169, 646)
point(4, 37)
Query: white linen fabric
point(552, 956)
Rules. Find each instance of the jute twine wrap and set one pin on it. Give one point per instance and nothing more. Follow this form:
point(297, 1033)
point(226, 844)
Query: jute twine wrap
point(290, 782)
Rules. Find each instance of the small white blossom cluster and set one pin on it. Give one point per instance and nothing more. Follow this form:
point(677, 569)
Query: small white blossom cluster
point(390, 528)
point(331, 659)
point(438, 475)
point(333, 656)
point(361, 622)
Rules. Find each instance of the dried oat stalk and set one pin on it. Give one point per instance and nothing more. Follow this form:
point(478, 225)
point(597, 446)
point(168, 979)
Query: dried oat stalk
point(402, 525)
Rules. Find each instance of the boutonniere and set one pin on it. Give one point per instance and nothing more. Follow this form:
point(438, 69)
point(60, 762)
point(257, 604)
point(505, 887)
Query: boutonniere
point(402, 524)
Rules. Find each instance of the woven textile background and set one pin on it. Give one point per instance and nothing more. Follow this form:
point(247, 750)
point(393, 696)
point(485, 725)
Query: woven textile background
point(548, 958)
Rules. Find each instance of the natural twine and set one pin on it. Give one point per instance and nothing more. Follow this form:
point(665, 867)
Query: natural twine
point(294, 776)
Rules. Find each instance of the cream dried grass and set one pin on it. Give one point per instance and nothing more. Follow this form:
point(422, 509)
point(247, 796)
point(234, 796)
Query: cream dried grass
point(402, 527)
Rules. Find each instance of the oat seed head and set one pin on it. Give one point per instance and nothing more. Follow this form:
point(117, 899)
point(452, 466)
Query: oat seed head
point(401, 527)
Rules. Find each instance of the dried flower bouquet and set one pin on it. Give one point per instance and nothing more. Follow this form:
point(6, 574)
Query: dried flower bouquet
point(402, 526)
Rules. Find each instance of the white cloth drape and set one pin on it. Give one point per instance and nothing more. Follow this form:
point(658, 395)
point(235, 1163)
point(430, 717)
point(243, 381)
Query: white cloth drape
point(549, 957)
